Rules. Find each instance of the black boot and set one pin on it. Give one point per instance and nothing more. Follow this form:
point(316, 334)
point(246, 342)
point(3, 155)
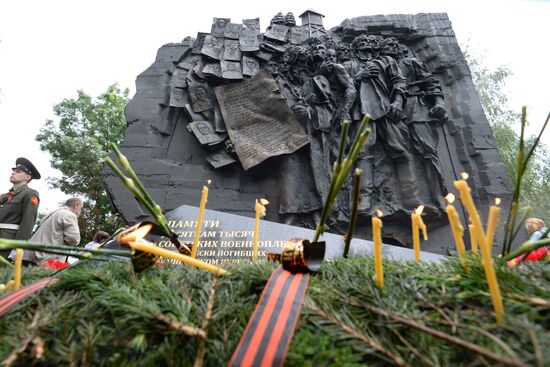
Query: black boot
point(407, 182)
point(367, 185)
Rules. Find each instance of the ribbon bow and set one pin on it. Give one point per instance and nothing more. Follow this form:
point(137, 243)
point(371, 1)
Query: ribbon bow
point(8, 197)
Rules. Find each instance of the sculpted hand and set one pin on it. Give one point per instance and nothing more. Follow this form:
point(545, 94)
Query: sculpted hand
point(301, 111)
point(396, 112)
point(344, 116)
point(369, 72)
point(312, 98)
point(439, 112)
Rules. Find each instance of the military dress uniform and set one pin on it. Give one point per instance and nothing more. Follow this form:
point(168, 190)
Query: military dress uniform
point(19, 208)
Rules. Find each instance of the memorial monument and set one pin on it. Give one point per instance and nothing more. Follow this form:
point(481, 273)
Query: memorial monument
point(260, 115)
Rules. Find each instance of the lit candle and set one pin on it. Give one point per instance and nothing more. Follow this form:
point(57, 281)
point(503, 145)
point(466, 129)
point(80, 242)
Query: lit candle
point(473, 239)
point(484, 244)
point(148, 247)
point(492, 221)
point(377, 239)
point(204, 199)
point(466, 197)
point(417, 225)
point(416, 237)
point(456, 227)
point(17, 269)
point(487, 258)
point(260, 212)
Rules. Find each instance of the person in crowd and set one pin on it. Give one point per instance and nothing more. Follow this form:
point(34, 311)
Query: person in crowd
point(535, 228)
point(19, 206)
point(60, 227)
point(97, 240)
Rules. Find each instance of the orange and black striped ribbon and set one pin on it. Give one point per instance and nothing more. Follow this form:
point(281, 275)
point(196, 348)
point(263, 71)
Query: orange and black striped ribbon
point(14, 298)
point(269, 331)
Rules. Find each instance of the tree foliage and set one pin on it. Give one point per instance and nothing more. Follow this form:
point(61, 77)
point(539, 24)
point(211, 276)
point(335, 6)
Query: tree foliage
point(77, 142)
point(491, 87)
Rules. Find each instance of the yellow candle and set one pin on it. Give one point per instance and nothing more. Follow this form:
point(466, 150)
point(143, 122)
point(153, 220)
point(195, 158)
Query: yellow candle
point(256, 232)
point(377, 239)
point(147, 247)
point(17, 269)
point(416, 237)
point(260, 212)
point(487, 258)
point(473, 239)
point(484, 244)
point(466, 197)
point(492, 221)
point(417, 225)
point(456, 227)
point(422, 225)
point(204, 199)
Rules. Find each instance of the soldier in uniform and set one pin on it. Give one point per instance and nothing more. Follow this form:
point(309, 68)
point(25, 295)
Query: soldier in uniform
point(382, 91)
point(19, 207)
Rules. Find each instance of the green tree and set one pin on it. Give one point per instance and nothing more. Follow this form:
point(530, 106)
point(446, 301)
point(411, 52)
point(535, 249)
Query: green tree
point(491, 87)
point(77, 142)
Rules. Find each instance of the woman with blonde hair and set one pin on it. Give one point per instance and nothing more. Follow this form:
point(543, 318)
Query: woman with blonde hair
point(535, 228)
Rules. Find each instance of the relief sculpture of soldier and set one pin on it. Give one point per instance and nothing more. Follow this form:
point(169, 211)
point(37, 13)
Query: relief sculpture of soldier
point(424, 112)
point(321, 93)
point(303, 177)
point(341, 94)
point(324, 63)
point(382, 94)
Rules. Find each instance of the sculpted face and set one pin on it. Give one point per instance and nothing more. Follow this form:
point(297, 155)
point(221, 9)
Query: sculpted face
point(233, 46)
point(200, 92)
point(234, 28)
point(249, 41)
point(203, 129)
point(319, 52)
point(364, 48)
point(251, 64)
point(390, 47)
point(214, 41)
point(252, 24)
point(273, 68)
point(342, 53)
point(331, 55)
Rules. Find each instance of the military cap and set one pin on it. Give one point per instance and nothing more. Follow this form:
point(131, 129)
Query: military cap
point(26, 166)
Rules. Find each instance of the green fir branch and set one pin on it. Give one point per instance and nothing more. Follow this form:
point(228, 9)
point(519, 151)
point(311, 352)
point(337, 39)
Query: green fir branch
point(522, 162)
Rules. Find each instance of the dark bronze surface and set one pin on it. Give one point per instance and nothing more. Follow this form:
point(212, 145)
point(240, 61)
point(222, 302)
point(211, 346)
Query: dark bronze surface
point(406, 71)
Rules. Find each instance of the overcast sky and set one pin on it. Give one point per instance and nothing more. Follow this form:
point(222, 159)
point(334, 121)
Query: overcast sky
point(49, 49)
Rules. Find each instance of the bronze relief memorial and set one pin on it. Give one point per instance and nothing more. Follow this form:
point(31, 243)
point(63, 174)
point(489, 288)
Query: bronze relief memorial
point(260, 114)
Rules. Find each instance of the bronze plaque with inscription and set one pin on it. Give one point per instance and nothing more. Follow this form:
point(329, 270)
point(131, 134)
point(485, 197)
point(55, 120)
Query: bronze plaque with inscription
point(258, 120)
